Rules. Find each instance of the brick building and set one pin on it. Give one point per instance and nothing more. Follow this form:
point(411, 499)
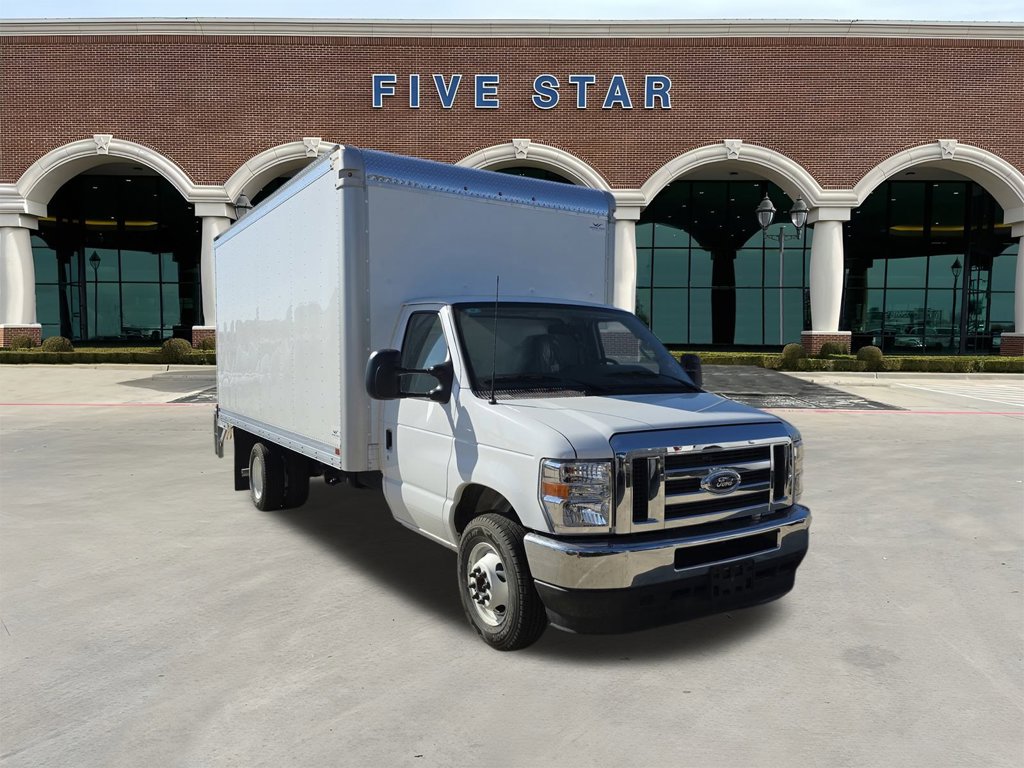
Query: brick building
point(127, 145)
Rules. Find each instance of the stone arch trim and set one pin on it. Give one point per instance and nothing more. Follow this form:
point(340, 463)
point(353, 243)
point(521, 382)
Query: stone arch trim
point(40, 182)
point(529, 153)
point(772, 165)
point(255, 172)
point(1000, 179)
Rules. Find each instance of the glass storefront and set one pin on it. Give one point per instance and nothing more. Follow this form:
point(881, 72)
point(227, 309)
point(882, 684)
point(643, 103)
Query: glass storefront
point(929, 269)
point(117, 260)
point(708, 276)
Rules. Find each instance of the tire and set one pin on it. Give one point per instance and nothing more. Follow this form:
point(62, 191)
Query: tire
point(296, 471)
point(495, 584)
point(266, 477)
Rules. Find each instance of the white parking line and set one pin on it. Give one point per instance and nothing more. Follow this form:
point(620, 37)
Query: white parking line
point(1004, 394)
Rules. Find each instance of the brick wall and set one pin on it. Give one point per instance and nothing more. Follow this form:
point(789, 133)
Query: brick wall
point(8, 333)
point(836, 105)
point(813, 341)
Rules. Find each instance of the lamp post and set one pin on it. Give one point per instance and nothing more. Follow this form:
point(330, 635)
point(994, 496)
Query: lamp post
point(242, 205)
point(94, 262)
point(765, 217)
point(955, 268)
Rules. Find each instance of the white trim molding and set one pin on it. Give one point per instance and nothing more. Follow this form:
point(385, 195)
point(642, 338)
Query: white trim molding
point(520, 152)
point(1000, 179)
point(509, 28)
point(47, 174)
point(788, 174)
point(255, 172)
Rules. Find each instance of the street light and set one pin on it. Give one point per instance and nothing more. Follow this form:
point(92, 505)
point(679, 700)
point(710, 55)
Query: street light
point(242, 205)
point(765, 217)
point(94, 262)
point(955, 268)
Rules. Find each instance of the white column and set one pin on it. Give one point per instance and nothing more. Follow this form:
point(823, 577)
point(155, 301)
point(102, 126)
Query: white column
point(212, 226)
point(624, 272)
point(17, 271)
point(216, 218)
point(827, 268)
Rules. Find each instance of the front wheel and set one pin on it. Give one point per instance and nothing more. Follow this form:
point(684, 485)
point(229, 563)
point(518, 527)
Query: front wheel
point(498, 595)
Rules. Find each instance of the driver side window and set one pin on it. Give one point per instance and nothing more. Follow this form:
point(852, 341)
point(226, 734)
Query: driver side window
point(423, 346)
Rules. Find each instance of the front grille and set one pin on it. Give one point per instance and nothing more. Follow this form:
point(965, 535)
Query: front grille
point(662, 488)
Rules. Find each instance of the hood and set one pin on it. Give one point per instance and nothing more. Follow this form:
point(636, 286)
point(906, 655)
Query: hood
point(590, 422)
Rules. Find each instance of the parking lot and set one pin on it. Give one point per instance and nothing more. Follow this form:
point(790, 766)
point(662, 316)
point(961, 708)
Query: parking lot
point(151, 616)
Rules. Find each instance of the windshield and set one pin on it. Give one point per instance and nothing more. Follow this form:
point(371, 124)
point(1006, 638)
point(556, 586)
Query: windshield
point(563, 349)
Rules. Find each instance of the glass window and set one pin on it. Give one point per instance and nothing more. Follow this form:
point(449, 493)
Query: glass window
point(671, 266)
point(700, 267)
point(907, 272)
point(1004, 269)
point(424, 346)
point(140, 266)
point(700, 316)
point(750, 268)
point(749, 316)
point(140, 310)
point(906, 209)
point(670, 315)
point(45, 259)
point(643, 267)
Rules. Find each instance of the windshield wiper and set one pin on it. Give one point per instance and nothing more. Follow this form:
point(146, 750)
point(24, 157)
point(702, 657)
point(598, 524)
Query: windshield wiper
point(508, 381)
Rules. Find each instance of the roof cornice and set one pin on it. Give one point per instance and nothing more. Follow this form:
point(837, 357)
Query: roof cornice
point(515, 28)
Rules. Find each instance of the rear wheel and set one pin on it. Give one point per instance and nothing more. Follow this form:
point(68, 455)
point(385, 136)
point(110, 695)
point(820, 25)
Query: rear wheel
point(497, 590)
point(266, 477)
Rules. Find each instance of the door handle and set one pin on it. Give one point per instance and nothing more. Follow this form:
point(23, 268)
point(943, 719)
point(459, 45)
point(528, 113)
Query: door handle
point(388, 440)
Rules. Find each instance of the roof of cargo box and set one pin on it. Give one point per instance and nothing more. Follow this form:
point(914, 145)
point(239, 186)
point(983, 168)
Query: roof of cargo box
point(384, 168)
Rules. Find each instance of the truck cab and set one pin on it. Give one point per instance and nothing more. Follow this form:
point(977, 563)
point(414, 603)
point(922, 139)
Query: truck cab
point(580, 472)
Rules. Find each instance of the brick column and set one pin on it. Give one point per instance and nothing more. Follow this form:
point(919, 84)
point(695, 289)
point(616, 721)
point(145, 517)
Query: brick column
point(216, 218)
point(17, 280)
point(826, 279)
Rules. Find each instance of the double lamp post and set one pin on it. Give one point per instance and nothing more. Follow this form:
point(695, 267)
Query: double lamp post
point(765, 217)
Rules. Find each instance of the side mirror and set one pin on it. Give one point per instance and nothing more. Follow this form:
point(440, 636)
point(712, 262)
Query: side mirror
point(444, 373)
point(691, 365)
point(382, 370)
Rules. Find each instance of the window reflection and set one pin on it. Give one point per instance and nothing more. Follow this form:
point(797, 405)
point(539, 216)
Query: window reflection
point(117, 261)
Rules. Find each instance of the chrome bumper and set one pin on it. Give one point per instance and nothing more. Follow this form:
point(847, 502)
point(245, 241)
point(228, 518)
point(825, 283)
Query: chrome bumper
point(608, 564)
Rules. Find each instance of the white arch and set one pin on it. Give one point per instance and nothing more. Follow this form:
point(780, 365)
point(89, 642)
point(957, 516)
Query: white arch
point(788, 174)
point(1000, 179)
point(523, 152)
point(45, 176)
point(255, 172)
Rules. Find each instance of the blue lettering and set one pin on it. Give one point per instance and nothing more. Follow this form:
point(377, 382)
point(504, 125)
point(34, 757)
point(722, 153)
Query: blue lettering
point(446, 93)
point(657, 87)
point(383, 85)
point(545, 91)
point(414, 91)
point(487, 92)
point(617, 94)
point(581, 82)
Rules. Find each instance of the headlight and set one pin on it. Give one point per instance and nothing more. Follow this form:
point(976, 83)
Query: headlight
point(798, 469)
point(577, 495)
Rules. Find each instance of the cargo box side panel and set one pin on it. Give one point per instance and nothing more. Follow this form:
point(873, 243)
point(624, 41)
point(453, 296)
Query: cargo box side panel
point(278, 316)
point(430, 244)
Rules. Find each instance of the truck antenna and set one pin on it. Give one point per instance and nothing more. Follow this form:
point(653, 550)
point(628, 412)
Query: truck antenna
point(494, 331)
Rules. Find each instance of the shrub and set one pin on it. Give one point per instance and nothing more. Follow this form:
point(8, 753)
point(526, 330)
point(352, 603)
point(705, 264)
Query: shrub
point(175, 351)
point(1004, 365)
point(830, 348)
point(814, 364)
point(870, 355)
point(208, 343)
point(57, 344)
point(23, 342)
point(792, 354)
point(849, 364)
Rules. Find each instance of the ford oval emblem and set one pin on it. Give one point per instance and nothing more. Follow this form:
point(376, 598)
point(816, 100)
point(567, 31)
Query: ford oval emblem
point(721, 481)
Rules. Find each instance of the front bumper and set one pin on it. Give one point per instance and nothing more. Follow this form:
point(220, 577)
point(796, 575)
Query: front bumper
point(614, 586)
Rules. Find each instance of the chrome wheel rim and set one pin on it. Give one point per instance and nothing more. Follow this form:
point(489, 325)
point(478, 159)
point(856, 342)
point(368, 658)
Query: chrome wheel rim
point(256, 476)
point(487, 584)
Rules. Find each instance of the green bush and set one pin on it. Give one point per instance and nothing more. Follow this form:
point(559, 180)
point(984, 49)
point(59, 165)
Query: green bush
point(176, 351)
point(872, 357)
point(891, 364)
point(830, 348)
point(814, 364)
point(791, 353)
point(208, 343)
point(849, 364)
point(23, 342)
point(57, 344)
point(1002, 365)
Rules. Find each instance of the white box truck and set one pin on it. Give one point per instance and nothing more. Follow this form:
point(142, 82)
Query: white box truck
point(579, 471)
